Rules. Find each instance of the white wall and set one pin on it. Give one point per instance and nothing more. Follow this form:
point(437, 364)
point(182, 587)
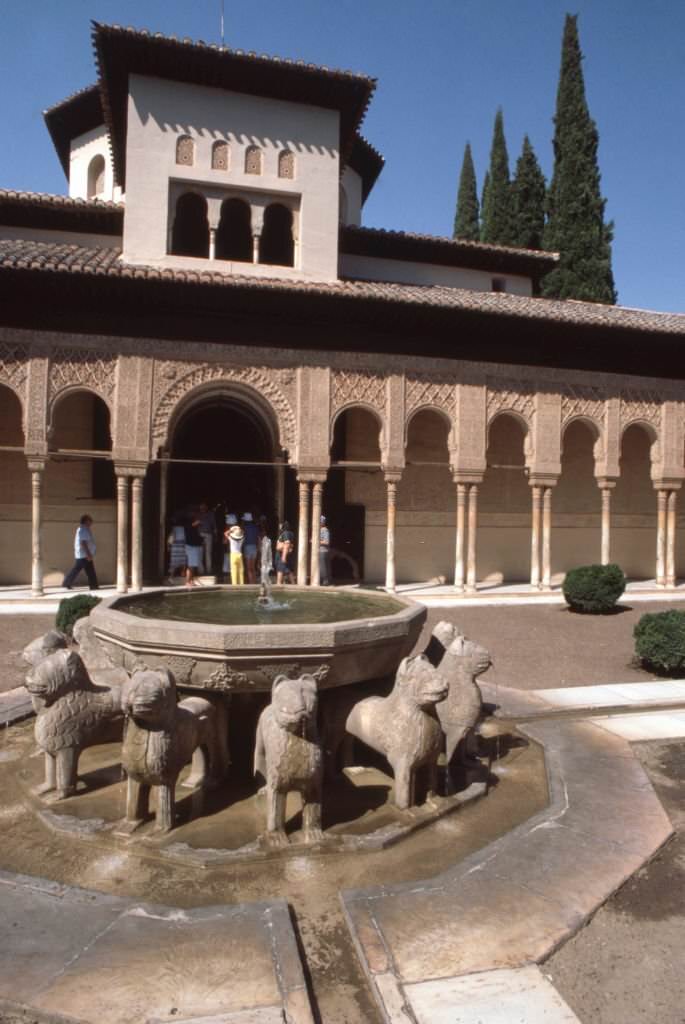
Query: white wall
point(160, 111)
point(351, 184)
point(83, 149)
point(372, 268)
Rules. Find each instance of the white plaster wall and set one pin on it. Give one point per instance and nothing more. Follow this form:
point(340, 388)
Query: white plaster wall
point(69, 237)
point(159, 111)
point(83, 149)
point(351, 183)
point(372, 268)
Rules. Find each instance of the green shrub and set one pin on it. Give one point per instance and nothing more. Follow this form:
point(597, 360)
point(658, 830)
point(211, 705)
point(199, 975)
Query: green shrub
point(73, 608)
point(660, 641)
point(594, 589)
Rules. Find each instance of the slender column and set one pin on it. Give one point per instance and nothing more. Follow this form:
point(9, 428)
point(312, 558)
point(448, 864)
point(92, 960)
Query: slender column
point(122, 534)
point(546, 538)
point(314, 578)
point(36, 530)
point(535, 537)
point(390, 576)
point(606, 525)
point(212, 243)
point(137, 533)
point(471, 547)
point(255, 248)
point(303, 533)
point(461, 530)
point(670, 538)
point(163, 492)
point(280, 489)
point(662, 498)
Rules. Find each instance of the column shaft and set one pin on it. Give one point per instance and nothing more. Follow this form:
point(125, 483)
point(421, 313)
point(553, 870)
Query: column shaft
point(317, 493)
point(662, 498)
point(137, 534)
point(471, 549)
point(546, 538)
point(36, 534)
point(303, 533)
point(461, 530)
point(163, 491)
point(670, 538)
point(535, 537)
point(390, 576)
point(122, 534)
point(606, 525)
point(212, 243)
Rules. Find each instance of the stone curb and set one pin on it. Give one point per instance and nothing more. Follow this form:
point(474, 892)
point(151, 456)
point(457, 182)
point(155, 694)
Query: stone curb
point(530, 705)
point(515, 901)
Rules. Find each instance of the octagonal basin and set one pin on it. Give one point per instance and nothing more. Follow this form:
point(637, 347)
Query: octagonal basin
point(222, 639)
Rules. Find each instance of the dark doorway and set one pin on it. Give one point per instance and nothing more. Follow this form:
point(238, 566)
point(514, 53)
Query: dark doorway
point(190, 233)
point(276, 244)
point(234, 236)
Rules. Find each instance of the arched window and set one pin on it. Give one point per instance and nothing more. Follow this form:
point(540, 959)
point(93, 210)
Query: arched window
point(220, 156)
point(253, 160)
point(234, 235)
point(286, 164)
point(276, 244)
point(185, 151)
point(190, 233)
point(96, 176)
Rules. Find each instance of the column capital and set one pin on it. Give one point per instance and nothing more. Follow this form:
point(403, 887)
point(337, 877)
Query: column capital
point(543, 479)
point(312, 476)
point(667, 483)
point(392, 476)
point(36, 464)
point(134, 469)
point(462, 477)
point(606, 483)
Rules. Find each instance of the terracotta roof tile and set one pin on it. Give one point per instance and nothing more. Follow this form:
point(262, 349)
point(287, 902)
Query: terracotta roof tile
point(56, 258)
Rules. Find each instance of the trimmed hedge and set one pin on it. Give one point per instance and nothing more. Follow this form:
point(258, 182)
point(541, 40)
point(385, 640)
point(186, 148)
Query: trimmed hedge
point(660, 642)
point(73, 608)
point(594, 589)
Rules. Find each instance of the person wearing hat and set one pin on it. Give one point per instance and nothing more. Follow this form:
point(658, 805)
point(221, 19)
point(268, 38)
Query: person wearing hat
point(324, 554)
point(250, 550)
point(235, 538)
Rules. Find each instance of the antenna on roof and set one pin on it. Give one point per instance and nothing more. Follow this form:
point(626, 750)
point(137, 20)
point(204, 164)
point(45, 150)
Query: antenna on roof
point(222, 22)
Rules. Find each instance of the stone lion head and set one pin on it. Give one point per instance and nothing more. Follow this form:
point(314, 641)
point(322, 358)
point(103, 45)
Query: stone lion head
point(57, 674)
point(43, 646)
point(420, 682)
point(475, 659)
point(150, 697)
point(294, 702)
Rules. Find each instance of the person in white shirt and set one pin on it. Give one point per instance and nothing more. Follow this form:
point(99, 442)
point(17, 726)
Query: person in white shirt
point(84, 553)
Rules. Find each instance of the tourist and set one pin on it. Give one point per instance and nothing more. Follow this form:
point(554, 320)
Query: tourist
point(284, 547)
point(235, 537)
point(206, 525)
point(250, 549)
point(193, 553)
point(176, 543)
point(324, 554)
point(84, 553)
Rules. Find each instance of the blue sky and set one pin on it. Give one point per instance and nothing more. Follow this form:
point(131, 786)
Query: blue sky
point(443, 68)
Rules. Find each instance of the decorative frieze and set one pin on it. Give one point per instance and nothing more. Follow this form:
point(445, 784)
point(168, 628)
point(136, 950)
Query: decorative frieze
point(85, 368)
point(517, 396)
point(641, 407)
point(426, 391)
point(582, 403)
point(13, 367)
point(358, 387)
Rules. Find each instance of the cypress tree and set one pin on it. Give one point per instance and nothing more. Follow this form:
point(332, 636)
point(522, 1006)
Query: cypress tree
point(466, 218)
point(575, 207)
point(528, 200)
point(496, 222)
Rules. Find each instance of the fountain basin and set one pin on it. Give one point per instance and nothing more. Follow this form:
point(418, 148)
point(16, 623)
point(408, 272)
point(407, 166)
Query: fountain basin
point(219, 639)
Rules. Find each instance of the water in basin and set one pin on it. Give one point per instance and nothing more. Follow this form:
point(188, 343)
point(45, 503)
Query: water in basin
point(288, 605)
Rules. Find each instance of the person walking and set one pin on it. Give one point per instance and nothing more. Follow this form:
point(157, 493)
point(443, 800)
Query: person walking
point(84, 553)
point(193, 553)
point(206, 525)
point(250, 549)
point(284, 547)
point(324, 554)
point(176, 543)
point(235, 537)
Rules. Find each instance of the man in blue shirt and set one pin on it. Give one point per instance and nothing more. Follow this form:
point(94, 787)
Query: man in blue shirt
point(84, 553)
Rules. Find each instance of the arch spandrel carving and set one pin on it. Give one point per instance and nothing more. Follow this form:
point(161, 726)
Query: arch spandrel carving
point(426, 392)
point(641, 407)
point(74, 369)
point(14, 369)
point(358, 387)
point(517, 397)
point(174, 382)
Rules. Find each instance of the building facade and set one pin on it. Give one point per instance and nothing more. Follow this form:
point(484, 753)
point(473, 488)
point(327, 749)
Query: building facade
point(205, 318)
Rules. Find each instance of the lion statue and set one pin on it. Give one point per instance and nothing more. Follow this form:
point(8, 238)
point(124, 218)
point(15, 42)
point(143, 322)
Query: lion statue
point(404, 727)
point(288, 756)
point(43, 646)
point(72, 713)
point(163, 736)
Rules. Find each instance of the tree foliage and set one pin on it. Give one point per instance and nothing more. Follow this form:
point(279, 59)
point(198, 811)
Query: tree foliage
point(575, 208)
point(496, 220)
point(466, 218)
point(528, 200)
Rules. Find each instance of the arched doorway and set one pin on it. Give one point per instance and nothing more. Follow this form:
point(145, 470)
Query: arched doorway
point(577, 501)
point(354, 495)
point(424, 543)
point(505, 502)
point(634, 501)
point(16, 497)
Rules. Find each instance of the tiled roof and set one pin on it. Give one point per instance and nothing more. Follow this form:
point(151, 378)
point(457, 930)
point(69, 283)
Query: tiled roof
point(74, 116)
point(367, 162)
point(62, 259)
point(60, 213)
point(121, 52)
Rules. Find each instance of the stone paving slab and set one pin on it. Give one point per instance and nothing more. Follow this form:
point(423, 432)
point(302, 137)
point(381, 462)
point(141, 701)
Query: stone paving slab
point(15, 706)
point(659, 725)
point(522, 996)
point(512, 903)
point(584, 700)
point(95, 958)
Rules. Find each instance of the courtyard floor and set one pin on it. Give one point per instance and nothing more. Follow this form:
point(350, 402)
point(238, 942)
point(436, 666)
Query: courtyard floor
point(623, 965)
